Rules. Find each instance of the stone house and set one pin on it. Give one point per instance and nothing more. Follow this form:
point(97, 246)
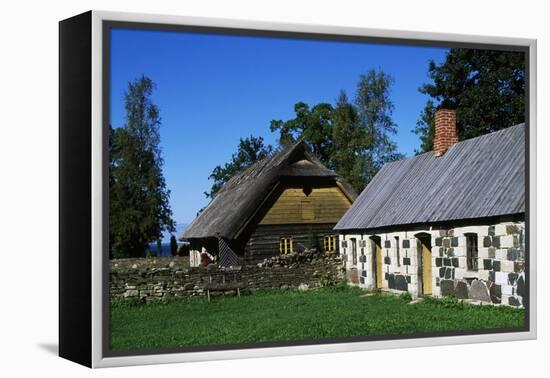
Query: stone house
point(446, 222)
point(285, 203)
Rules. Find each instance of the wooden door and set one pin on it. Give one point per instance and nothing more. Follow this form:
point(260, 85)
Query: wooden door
point(378, 262)
point(426, 269)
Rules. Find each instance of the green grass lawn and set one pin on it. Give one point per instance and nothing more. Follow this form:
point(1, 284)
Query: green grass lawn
point(293, 315)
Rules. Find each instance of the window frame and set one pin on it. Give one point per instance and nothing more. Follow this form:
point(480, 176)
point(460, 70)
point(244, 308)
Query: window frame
point(472, 244)
point(397, 251)
point(286, 245)
point(353, 252)
point(329, 243)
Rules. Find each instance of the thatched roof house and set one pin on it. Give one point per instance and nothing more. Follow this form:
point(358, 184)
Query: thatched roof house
point(278, 205)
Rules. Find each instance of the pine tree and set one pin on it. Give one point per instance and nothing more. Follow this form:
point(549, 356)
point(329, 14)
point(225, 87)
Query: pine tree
point(487, 88)
point(139, 198)
point(349, 140)
point(374, 109)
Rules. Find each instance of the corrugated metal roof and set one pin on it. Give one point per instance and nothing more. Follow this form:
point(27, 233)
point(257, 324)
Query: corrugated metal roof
point(476, 178)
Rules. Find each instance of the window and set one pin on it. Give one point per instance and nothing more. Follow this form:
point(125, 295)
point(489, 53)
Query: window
point(471, 251)
point(354, 252)
point(285, 245)
point(329, 243)
point(397, 251)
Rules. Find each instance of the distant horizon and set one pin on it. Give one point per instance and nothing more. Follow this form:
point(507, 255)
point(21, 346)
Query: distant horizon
point(213, 90)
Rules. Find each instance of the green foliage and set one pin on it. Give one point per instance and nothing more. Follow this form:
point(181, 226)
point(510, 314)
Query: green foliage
point(425, 127)
point(313, 125)
point(335, 285)
point(249, 151)
point(448, 301)
point(173, 245)
point(405, 296)
point(375, 108)
point(126, 303)
point(335, 311)
point(349, 143)
point(138, 197)
point(486, 87)
point(351, 138)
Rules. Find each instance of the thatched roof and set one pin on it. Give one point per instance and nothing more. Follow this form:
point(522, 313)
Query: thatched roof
point(236, 202)
point(476, 178)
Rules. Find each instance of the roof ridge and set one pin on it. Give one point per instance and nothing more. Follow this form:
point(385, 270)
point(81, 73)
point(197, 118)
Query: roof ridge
point(234, 203)
point(493, 133)
point(476, 178)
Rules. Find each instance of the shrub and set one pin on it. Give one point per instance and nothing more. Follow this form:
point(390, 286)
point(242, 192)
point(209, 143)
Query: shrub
point(449, 301)
point(406, 296)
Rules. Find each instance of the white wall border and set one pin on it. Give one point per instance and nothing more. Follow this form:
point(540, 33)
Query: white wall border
point(97, 150)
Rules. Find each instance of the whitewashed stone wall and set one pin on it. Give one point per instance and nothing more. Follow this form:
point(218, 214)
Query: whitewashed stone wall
point(500, 277)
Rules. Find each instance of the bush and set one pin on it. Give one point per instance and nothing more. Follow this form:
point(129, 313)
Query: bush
point(406, 296)
point(449, 301)
point(341, 286)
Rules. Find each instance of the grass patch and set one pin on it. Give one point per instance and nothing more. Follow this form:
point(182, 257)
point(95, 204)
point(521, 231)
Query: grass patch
point(293, 315)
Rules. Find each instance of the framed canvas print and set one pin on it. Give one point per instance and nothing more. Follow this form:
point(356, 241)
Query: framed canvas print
point(232, 189)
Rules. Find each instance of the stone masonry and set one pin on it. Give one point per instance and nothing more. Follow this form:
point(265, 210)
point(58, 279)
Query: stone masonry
point(499, 278)
point(150, 283)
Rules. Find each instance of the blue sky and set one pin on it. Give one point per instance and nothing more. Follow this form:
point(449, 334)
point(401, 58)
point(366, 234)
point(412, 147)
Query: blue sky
point(213, 90)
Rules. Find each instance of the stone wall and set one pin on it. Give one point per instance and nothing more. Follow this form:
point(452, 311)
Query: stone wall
point(499, 279)
point(149, 282)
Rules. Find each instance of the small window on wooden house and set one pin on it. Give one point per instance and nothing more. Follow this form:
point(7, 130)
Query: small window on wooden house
point(308, 211)
point(471, 251)
point(397, 251)
point(329, 243)
point(285, 245)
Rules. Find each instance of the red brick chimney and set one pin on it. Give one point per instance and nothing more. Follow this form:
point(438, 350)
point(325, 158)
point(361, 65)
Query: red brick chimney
point(445, 130)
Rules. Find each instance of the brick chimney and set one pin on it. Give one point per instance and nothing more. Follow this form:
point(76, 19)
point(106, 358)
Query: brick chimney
point(445, 130)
